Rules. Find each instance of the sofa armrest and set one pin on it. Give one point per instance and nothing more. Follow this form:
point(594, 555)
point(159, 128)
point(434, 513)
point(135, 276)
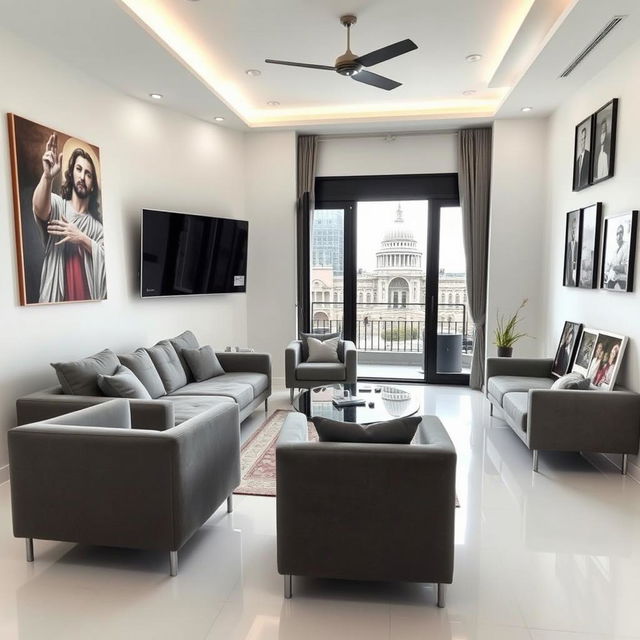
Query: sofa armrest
point(571, 420)
point(350, 362)
point(533, 367)
point(238, 361)
point(292, 358)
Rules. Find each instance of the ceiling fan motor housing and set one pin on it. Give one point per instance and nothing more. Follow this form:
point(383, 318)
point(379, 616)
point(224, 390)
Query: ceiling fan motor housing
point(347, 65)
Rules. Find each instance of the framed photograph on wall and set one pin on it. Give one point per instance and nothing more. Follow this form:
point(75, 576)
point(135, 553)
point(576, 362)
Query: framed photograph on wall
point(619, 251)
point(571, 249)
point(590, 221)
point(583, 144)
point(566, 348)
point(58, 215)
point(604, 141)
point(605, 360)
point(584, 353)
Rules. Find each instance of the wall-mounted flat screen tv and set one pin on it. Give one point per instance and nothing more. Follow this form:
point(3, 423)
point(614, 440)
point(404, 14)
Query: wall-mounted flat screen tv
point(184, 254)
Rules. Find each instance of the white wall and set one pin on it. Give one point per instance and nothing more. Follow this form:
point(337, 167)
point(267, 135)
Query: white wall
point(270, 187)
point(615, 312)
point(150, 157)
point(518, 202)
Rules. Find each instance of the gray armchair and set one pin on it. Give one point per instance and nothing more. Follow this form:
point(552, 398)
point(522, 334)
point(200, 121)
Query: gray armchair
point(92, 477)
point(306, 375)
point(366, 511)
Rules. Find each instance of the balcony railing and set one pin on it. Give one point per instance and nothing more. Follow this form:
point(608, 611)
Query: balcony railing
point(401, 335)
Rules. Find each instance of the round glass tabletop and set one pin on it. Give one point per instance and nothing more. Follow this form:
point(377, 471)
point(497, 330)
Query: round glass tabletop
point(381, 402)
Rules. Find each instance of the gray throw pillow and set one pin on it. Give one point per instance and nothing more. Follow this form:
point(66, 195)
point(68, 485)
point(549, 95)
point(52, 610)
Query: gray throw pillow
point(80, 378)
point(396, 431)
point(186, 340)
point(203, 363)
point(123, 384)
point(572, 380)
point(140, 363)
point(323, 350)
point(321, 337)
point(167, 363)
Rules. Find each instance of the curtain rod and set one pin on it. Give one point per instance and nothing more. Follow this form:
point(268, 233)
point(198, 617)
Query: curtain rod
point(388, 134)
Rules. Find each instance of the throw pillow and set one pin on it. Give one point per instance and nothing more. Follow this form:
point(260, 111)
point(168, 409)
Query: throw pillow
point(323, 351)
point(186, 340)
point(79, 378)
point(203, 362)
point(166, 361)
point(139, 362)
point(396, 431)
point(319, 336)
point(123, 384)
point(573, 380)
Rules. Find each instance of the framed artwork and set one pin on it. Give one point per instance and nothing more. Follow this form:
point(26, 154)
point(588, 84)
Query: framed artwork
point(58, 215)
point(566, 348)
point(604, 141)
point(590, 221)
point(605, 360)
point(571, 249)
point(619, 251)
point(584, 353)
point(583, 145)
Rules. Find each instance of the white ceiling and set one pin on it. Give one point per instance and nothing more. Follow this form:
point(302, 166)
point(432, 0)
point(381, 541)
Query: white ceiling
point(196, 53)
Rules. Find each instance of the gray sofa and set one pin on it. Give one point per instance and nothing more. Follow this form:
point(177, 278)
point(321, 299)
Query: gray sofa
point(97, 477)
point(339, 516)
point(245, 382)
point(561, 420)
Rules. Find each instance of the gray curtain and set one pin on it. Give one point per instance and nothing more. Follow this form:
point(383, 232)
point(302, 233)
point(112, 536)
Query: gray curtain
point(474, 181)
point(307, 163)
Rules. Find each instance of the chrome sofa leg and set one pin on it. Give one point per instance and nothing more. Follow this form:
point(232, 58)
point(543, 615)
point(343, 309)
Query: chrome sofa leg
point(230, 503)
point(29, 547)
point(173, 563)
point(288, 592)
point(625, 464)
point(490, 408)
point(291, 396)
point(442, 595)
point(266, 405)
point(535, 460)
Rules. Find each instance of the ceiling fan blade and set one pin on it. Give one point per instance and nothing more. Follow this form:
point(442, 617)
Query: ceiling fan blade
point(375, 80)
point(386, 53)
point(302, 64)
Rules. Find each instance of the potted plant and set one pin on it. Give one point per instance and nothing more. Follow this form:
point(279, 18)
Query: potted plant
point(506, 333)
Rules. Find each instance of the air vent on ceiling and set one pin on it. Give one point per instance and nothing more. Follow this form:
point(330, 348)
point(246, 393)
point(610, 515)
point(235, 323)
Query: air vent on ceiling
point(607, 29)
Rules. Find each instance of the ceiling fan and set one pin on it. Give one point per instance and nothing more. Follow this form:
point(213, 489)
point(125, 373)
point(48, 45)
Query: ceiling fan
point(349, 64)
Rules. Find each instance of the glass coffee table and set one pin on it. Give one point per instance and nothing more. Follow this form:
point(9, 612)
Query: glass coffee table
point(388, 403)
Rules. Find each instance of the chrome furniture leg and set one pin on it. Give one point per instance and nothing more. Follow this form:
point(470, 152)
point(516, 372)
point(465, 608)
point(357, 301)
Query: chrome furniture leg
point(442, 595)
point(230, 503)
point(291, 396)
point(29, 546)
point(266, 405)
point(288, 592)
point(625, 464)
point(535, 460)
point(173, 563)
point(491, 408)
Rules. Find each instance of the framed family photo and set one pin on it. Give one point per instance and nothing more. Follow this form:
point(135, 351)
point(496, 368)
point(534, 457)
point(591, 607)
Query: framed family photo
point(566, 348)
point(584, 352)
point(583, 145)
point(571, 249)
point(605, 360)
point(604, 141)
point(590, 222)
point(619, 252)
point(57, 201)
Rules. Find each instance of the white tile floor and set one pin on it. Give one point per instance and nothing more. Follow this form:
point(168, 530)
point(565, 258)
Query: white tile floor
point(549, 556)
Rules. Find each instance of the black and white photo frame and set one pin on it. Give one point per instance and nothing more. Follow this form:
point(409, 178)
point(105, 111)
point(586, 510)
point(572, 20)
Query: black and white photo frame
point(583, 145)
point(571, 249)
point(589, 247)
point(619, 252)
point(603, 154)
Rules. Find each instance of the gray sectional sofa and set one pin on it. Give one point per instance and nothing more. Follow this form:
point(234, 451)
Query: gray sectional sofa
point(548, 419)
point(175, 396)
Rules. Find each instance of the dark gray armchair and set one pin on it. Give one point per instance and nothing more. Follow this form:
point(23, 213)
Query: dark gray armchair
point(307, 375)
point(366, 511)
point(92, 477)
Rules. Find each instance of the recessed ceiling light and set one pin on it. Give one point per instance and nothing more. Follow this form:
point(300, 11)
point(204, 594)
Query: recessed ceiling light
point(156, 96)
point(469, 92)
point(219, 119)
point(474, 57)
point(253, 73)
point(273, 103)
point(526, 109)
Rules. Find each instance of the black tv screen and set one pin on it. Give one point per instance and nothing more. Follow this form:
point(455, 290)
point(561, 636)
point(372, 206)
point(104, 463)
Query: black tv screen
point(185, 254)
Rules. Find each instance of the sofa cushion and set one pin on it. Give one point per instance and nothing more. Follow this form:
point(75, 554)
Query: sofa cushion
point(499, 385)
point(516, 405)
point(186, 340)
point(186, 407)
point(80, 378)
point(321, 371)
point(396, 431)
point(259, 381)
point(143, 368)
point(323, 350)
point(166, 361)
point(242, 393)
point(203, 363)
point(573, 380)
point(123, 384)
